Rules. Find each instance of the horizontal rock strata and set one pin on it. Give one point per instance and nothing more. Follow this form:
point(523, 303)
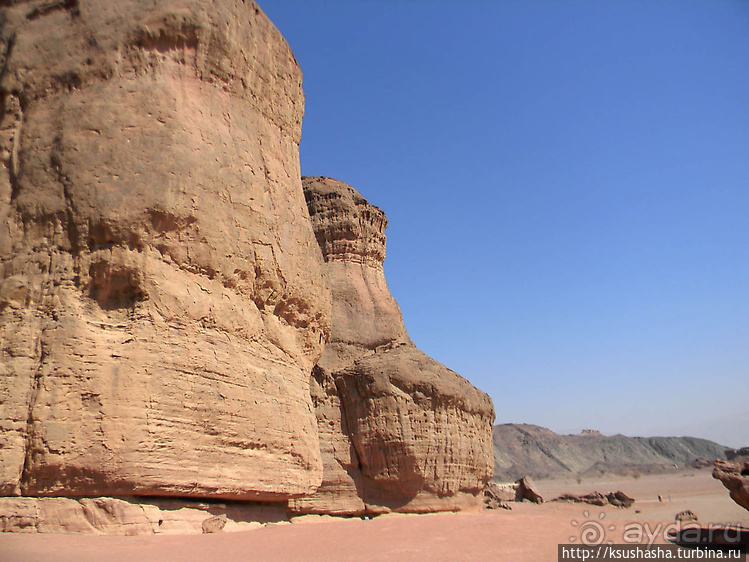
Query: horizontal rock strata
point(398, 430)
point(421, 430)
point(162, 300)
point(165, 299)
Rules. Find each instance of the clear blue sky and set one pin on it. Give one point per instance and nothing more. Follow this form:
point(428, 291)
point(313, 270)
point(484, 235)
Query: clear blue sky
point(567, 184)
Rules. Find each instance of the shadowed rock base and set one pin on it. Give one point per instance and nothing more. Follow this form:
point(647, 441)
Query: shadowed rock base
point(134, 516)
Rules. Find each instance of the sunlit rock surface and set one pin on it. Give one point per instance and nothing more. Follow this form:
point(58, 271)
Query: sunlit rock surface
point(398, 430)
point(162, 300)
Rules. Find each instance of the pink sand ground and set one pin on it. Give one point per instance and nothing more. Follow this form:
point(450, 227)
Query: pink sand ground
point(528, 532)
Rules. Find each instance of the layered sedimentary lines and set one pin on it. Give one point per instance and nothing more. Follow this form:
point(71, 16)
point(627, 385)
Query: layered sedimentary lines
point(398, 430)
point(419, 427)
point(164, 296)
point(161, 298)
point(351, 235)
point(347, 227)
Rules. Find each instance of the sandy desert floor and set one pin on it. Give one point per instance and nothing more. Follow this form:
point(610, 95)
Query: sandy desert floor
point(528, 532)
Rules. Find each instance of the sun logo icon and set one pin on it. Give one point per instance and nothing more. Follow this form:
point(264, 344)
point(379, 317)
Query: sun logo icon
point(592, 532)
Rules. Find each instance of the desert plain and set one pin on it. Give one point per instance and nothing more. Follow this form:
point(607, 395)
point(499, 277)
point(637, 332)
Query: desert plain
point(526, 532)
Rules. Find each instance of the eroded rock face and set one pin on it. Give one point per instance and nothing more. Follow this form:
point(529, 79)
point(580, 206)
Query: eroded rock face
point(398, 430)
point(735, 477)
point(162, 301)
point(351, 235)
point(422, 432)
point(342, 486)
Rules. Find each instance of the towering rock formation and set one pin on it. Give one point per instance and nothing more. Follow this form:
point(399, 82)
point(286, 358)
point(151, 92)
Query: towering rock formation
point(162, 300)
point(398, 430)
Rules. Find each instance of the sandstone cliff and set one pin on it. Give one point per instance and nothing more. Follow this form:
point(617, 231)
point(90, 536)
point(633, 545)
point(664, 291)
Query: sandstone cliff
point(165, 299)
point(398, 430)
point(162, 301)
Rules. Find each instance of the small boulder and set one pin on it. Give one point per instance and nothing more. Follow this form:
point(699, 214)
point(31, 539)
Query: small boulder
point(617, 499)
point(526, 490)
point(620, 499)
point(594, 498)
point(686, 515)
point(214, 524)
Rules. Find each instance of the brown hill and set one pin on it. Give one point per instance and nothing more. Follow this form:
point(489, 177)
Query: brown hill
point(524, 449)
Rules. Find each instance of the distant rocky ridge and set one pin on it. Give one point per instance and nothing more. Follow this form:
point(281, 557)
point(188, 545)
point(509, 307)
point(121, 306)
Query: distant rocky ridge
point(178, 316)
point(738, 455)
point(523, 449)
